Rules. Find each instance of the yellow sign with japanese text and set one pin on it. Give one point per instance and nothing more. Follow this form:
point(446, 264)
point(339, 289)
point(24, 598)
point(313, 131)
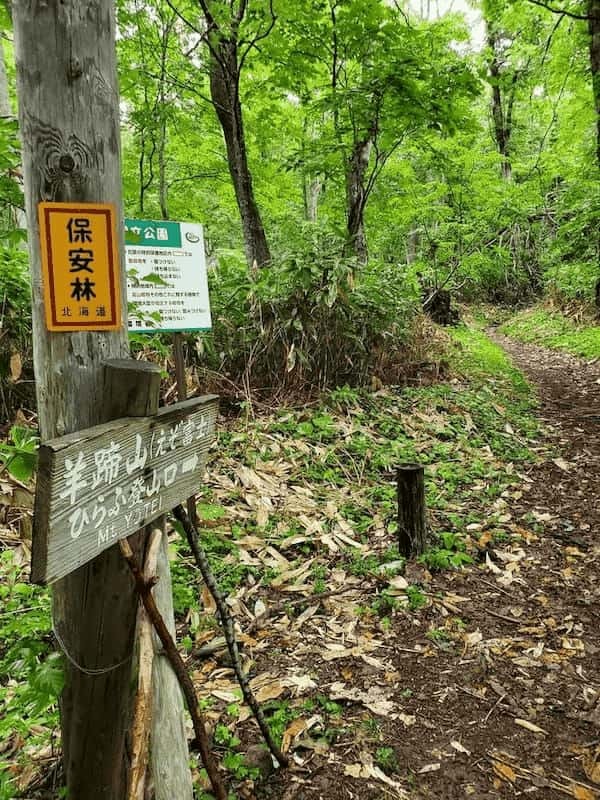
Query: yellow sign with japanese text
point(80, 264)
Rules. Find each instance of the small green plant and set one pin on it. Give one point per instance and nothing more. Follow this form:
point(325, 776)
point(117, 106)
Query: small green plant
point(309, 705)
point(359, 565)
point(385, 604)
point(19, 454)
point(438, 558)
point(372, 727)
point(344, 397)
point(439, 635)
point(279, 714)
point(233, 760)
point(319, 574)
point(329, 706)
point(451, 555)
point(416, 598)
point(209, 512)
point(185, 589)
point(33, 674)
point(386, 759)
point(7, 786)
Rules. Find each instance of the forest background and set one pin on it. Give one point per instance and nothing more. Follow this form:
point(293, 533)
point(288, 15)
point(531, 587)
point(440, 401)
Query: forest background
point(351, 160)
point(348, 159)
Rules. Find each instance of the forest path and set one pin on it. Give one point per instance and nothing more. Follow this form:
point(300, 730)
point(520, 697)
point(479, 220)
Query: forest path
point(524, 701)
point(568, 389)
point(562, 497)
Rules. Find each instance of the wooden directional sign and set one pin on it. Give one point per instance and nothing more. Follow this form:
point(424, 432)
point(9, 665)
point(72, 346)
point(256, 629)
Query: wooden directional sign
point(99, 485)
point(80, 266)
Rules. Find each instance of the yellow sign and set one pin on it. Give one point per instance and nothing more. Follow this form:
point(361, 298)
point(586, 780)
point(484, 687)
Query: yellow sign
point(80, 266)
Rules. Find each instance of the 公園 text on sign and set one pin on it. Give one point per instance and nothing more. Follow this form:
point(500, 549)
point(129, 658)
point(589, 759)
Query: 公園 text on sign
point(80, 265)
point(166, 276)
point(99, 485)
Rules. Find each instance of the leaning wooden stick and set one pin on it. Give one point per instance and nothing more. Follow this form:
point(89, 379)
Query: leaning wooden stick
point(227, 623)
point(144, 589)
point(142, 710)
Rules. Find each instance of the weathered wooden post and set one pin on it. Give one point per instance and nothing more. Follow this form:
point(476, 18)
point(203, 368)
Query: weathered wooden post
point(412, 511)
point(132, 388)
point(69, 119)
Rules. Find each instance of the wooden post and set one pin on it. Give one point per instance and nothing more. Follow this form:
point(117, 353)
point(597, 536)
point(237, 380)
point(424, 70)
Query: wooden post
point(412, 511)
point(142, 711)
point(95, 611)
point(69, 121)
point(169, 749)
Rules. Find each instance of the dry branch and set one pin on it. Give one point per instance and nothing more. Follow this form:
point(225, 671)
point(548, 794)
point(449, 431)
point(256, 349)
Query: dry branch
point(228, 630)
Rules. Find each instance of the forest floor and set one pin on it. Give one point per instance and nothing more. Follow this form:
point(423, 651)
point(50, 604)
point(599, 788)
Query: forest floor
point(469, 673)
point(492, 689)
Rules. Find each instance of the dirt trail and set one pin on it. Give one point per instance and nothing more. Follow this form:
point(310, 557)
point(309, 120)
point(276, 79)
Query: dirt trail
point(539, 655)
point(569, 393)
point(554, 684)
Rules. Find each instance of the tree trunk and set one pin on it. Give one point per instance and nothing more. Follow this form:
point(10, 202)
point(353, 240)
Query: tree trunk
point(356, 194)
point(312, 191)
point(593, 11)
point(502, 130)
point(69, 117)
point(224, 92)
point(162, 171)
point(412, 245)
point(168, 741)
point(160, 108)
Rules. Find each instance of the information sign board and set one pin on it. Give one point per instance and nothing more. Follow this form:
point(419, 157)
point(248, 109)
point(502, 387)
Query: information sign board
point(167, 279)
point(80, 266)
point(102, 484)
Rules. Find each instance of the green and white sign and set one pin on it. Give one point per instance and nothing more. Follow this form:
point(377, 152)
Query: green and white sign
point(166, 276)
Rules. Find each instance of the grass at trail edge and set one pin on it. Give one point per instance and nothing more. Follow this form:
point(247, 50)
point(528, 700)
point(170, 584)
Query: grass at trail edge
point(553, 330)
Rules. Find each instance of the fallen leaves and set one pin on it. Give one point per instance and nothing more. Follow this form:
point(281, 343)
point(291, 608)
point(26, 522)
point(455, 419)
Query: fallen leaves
point(508, 769)
point(591, 763)
point(366, 769)
point(504, 771)
point(530, 726)
point(375, 699)
point(15, 367)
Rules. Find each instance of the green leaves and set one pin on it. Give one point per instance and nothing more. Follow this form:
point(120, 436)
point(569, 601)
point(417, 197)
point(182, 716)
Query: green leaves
point(19, 455)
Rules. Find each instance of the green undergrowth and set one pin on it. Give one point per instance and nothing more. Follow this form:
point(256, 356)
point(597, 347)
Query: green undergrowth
point(472, 433)
point(31, 674)
point(551, 329)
